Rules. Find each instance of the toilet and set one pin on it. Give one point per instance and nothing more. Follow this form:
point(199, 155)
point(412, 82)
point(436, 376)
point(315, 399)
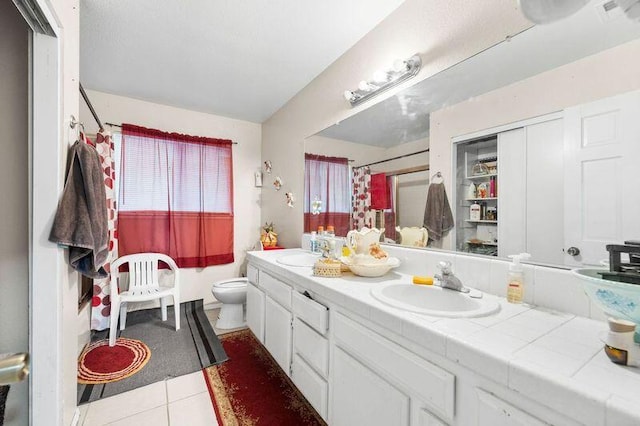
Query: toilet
point(233, 295)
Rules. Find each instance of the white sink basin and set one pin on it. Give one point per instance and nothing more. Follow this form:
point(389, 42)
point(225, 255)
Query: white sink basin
point(302, 259)
point(435, 301)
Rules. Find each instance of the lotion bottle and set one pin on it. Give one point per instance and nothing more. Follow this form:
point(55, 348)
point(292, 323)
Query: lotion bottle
point(515, 280)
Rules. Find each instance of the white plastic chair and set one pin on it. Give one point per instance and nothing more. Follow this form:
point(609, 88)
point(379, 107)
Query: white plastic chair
point(143, 286)
point(413, 236)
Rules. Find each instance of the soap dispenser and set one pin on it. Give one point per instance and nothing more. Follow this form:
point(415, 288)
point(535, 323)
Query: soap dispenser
point(515, 280)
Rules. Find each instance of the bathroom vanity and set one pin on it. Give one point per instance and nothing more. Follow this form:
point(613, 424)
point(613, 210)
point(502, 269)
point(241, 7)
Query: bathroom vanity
point(361, 362)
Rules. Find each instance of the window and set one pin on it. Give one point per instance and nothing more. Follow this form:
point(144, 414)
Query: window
point(176, 196)
point(327, 178)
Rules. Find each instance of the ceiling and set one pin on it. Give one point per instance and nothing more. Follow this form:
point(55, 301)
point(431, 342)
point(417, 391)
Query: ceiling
point(404, 117)
point(242, 59)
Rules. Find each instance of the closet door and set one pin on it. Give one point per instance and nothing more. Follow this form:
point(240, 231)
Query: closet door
point(545, 193)
point(512, 181)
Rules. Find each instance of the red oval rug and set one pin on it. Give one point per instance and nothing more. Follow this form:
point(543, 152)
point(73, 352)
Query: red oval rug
point(100, 363)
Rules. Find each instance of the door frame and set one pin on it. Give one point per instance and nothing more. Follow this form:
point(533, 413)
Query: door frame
point(45, 134)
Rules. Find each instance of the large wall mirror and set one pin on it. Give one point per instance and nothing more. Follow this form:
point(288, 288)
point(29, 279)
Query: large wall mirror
point(529, 165)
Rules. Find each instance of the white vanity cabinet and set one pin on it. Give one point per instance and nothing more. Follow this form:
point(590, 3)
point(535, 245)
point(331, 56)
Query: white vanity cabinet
point(310, 364)
point(255, 304)
point(278, 319)
point(277, 336)
point(377, 382)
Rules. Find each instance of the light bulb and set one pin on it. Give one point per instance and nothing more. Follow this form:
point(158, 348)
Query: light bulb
point(348, 95)
point(399, 65)
point(380, 76)
point(364, 86)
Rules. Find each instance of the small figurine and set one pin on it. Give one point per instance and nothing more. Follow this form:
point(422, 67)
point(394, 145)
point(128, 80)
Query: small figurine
point(277, 183)
point(290, 198)
point(267, 167)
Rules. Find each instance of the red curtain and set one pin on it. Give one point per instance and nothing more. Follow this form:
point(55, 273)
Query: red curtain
point(327, 178)
point(176, 197)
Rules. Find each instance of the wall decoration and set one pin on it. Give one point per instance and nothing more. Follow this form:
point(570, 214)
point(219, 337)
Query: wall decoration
point(267, 167)
point(277, 183)
point(290, 199)
point(316, 205)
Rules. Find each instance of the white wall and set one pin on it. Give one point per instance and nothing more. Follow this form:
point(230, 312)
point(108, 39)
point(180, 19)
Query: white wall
point(196, 283)
point(14, 226)
point(444, 33)
point(607, 73)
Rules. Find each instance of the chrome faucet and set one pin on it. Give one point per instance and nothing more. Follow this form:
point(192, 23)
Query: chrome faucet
point(448, 280)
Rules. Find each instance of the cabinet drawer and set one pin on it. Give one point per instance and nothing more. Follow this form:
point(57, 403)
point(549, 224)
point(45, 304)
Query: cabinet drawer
point(311, 312)
point(432, 384)
point(279, 291)
point(312, 386)
point(493, 411)
point(311, 346)
point(252, 274)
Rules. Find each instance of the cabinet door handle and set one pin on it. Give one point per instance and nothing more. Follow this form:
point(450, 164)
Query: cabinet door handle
point(573, 251)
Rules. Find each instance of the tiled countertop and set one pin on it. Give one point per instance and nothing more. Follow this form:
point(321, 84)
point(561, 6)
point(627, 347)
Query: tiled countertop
point(551, 357)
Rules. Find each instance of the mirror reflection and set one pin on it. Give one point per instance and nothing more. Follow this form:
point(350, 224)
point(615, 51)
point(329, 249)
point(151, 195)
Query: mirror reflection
point(534, 134)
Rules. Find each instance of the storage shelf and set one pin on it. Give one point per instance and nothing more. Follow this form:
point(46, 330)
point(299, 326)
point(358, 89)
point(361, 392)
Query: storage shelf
point(482, 199)
point(482, 176)
point(484, 243)
point(495, 222)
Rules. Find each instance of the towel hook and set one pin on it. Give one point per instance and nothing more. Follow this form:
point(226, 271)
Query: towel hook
point(75, 124)
point(436, 176)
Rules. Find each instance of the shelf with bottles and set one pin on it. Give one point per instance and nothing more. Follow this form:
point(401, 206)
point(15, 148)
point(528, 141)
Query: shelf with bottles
point(482, 243)
point(487, 176)
point(482, 199)
point(493, 222)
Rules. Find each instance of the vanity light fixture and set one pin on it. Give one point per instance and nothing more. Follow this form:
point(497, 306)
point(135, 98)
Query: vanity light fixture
point(383, 80)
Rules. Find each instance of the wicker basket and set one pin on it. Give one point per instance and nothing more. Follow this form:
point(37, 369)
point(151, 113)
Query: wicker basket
point(327, 269)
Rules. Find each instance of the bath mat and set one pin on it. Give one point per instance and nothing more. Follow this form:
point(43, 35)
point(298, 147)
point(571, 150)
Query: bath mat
point(100, 363)
point(251, 389)
point(173, 353)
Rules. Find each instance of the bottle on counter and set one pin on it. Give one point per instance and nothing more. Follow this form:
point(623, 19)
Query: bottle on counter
point(314, 242)
point(515, 280)
point(474, 211)
point(331, 231)
point(320, 230)
point(471, 191)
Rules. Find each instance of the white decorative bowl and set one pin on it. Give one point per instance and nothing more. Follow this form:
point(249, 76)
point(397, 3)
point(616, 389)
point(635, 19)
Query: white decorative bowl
point(373, 269)
point(617, 299)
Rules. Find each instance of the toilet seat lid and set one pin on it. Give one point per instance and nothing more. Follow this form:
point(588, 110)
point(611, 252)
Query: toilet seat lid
point(233, 283)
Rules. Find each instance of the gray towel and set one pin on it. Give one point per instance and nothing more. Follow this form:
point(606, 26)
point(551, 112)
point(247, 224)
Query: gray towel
point(81, 218)
point(437, 213)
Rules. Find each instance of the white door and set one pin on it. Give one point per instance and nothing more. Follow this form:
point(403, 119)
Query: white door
point(277, 333)
point(602, 198)
point(255, 311)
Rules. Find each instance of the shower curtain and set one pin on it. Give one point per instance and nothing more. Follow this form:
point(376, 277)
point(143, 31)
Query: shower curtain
point(361, 199)
point(101, 301)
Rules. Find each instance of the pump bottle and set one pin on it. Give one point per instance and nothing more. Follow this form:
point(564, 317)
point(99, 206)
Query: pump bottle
point(515, 280)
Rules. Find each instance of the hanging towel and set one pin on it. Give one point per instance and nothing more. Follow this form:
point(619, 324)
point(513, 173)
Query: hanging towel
point(438, 218)
point(81, 219)
point(379, 192)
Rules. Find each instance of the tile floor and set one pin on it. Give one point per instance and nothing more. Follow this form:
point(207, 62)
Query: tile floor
point(178, 401)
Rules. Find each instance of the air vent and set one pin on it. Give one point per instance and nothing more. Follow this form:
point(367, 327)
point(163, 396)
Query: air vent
point(32, 13)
